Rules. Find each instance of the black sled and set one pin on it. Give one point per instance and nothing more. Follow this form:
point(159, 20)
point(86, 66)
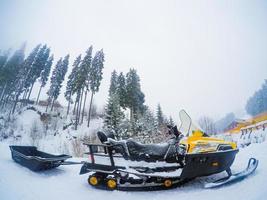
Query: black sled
point(35, 160)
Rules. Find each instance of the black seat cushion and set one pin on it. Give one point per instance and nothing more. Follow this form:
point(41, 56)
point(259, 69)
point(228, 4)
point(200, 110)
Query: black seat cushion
point(146, 151)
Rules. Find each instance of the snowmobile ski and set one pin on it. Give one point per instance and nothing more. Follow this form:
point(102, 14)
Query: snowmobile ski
point(231, 178)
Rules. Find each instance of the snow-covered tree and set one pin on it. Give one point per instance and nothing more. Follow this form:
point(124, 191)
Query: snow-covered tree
point(114, 116)
point(23, 74)
point(56, 80)
point(148, 125)
point(71, 81)
point(258, 102)
point(45, 74)
point(113, 83)
point(121, 90)
point(10, 75)
point(81, 83)
point(95, 77)
point(160, 116)
point(134, 96)
point(37, 67)
point(3, 58)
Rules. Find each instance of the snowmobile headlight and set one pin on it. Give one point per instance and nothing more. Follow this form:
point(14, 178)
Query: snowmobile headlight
point(204, 147)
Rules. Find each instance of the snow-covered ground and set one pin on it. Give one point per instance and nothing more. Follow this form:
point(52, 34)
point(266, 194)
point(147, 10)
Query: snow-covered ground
point(64, 182)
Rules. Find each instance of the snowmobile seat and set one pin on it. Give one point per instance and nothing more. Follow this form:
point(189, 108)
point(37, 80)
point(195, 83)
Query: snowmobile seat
point(135, 151)
point(149, 151)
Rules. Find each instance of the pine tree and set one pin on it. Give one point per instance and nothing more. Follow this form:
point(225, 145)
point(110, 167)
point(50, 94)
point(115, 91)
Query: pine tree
point(113, 115)
point(71, 81)
point(57, 78)
point(80, 83)
point(53, 82)
point(3, 58)
point(258, 102)
point(37, 67)
point(160, 117)
point(86, 66)
point(148, 125)
point(113, 83)
point(134, 96)
point(95, 77)
point(121, 90)
point(23, 74)
point(10, 74)
point(45, 74)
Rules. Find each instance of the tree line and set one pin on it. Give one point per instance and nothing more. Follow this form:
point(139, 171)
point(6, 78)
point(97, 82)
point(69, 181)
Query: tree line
point(125, 94)
point(257, 103)
point(18, 75)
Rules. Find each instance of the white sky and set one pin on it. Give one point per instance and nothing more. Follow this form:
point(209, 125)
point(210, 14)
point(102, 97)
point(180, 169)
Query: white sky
point(207, 57)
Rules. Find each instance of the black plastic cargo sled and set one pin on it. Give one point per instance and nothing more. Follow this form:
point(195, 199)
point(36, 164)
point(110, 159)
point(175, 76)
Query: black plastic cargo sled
point(35, 160)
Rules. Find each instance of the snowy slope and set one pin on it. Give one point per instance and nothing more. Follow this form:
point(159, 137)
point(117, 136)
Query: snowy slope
point(19, 183)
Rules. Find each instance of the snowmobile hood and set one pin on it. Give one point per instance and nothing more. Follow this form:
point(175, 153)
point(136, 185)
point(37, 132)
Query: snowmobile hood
point(200, 144)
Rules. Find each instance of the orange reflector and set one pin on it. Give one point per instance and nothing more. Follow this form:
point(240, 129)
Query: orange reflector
point(215, 164)
point(168, 183)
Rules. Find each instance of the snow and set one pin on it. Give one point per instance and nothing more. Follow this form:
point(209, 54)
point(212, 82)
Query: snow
point(19, 183)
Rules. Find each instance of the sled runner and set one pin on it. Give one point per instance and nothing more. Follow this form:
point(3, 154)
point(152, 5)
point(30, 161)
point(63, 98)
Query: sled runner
point(232, 178)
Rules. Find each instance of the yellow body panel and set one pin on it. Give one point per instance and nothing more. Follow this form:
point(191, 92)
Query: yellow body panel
point(197, 143)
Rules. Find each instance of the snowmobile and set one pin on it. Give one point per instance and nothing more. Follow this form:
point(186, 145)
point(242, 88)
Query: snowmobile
point(190, 153)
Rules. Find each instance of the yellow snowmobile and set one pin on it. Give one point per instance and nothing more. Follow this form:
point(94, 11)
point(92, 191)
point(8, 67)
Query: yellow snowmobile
point(189, 154)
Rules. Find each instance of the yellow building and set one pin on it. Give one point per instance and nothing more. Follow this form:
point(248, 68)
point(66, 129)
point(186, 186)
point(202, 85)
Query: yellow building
point(236, 126)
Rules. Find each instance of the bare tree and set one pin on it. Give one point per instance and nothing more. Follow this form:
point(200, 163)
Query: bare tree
point(207, 124)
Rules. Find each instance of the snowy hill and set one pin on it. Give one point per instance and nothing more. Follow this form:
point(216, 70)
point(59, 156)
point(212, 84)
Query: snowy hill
point(17, 182)
point(50, 132)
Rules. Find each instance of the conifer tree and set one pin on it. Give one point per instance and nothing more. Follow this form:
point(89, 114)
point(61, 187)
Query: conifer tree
point(45, 74)
point(71, 81)
point(10, 73)
point(113, 115)
point(86, 66)
point(95, 77)
point(37, 67)
point(121, 90)
point(258, 102)
point(57, 78)
point(3, 58)
point(135, 97)
point(148, 124)
point(81, 84)
point(23, 74)
point(160, 117)
point(113, 83)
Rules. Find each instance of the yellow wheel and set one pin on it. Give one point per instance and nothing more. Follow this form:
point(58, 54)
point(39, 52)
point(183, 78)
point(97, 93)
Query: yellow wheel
point(93, 180)
point(168, 183)
point(111, 183)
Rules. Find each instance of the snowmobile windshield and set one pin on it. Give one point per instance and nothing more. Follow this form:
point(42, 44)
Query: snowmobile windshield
point(187, 127)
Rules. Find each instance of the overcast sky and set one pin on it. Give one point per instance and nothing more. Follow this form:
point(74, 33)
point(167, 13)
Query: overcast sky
point(207, 57)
